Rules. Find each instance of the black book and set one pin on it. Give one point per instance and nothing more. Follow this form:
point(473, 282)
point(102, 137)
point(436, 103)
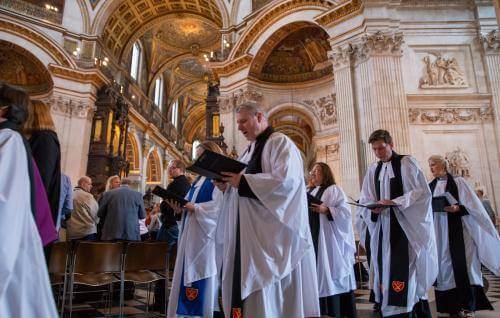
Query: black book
point(439, 203)
point(210, 164)
point(169, 195)
point(313, 200)
point(373, 205)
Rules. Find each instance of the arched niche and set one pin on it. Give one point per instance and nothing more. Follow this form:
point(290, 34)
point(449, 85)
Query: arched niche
point(132, 154)
point(153, 168)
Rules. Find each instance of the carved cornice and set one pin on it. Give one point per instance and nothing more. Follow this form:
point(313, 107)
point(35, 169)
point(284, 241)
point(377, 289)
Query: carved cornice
point(35, 37)
point(381, 43)
point(270, 17)
point(71, 107)
point(491, 41)
point(228, 102)
point(225, 69)
point(340, 13)
point(88, 76)
point(470, 115)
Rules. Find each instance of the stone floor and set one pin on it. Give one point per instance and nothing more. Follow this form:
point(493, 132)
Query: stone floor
point(136, 308)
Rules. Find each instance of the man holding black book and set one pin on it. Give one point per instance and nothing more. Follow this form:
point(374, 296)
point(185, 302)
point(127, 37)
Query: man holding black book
point(268, 265)
point(403, 244)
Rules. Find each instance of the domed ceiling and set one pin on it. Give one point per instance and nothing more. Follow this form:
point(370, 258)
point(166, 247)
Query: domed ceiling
point(183, 32)
point(301, 56)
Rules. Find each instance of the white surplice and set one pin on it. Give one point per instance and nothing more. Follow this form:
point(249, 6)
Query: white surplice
point(336, 247)
point(278, 270)
point(196, 251)
point(414, 214)
point(24, 281)
point(481, 240)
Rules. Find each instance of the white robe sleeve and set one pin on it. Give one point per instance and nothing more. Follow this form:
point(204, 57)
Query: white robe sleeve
point(479, 225)
point(14, 191)
point(207, 213)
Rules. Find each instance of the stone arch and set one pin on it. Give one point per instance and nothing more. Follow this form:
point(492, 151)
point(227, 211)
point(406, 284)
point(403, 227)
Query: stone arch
point(47, 51)
point(269, 21)
point(296, 121)
point(21, 68)
point(194, 125)
point(153, 167)
point(133, 153)
point(302, 110)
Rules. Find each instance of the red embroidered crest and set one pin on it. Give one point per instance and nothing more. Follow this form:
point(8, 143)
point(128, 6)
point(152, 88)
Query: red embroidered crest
point(237, 313)
point(398, 286)
point(191, 293)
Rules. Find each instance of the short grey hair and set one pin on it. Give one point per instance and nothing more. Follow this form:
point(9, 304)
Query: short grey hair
point(83, 180)
point(440, 160)
point(251, 107)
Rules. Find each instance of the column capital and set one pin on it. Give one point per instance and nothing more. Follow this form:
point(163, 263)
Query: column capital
point(380, 43)
point(491, 41)
point(71, 106)
point(341, 56)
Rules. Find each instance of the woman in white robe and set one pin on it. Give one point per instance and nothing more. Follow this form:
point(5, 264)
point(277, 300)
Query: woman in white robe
point(465, 238)
point(195, 285)
point(22, 262)
point(333, 238)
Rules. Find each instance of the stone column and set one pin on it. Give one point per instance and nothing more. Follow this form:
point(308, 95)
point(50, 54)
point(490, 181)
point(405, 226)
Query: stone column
point(380, 89)
point(491, 45)
point(346, 112)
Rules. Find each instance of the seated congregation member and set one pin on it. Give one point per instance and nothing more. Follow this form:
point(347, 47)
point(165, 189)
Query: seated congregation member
point(195, 283)
point(403, 244)
point(121, 209)
point(22, 262)
point(333, 239)
point(465, 238)
point(83, 221)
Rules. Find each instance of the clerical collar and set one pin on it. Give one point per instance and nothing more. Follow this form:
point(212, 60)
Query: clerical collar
point(443, 178)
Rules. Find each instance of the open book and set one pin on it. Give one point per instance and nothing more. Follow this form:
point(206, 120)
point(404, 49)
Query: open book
point(169, 195)
point(210, 164)
point(371, 205)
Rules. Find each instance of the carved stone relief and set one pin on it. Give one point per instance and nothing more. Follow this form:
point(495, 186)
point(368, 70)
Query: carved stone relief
point(326, 109)
point(450, 115)
point(228, 102)
point(441, 71)
point(382, 43)
point(491, 40)
point(459, 163)
point(71, 107)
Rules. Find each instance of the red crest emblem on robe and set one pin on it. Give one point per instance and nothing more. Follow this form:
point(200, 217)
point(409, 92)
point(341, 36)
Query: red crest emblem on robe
point(191, 293)
point(237, 313)
point(398, 286)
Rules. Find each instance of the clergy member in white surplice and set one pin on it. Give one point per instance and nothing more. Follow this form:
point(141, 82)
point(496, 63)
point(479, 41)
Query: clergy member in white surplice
point(195, 285)
point(465, 238)
point(333, 239)
point(403, 245)
point(24, 281)
point(268, 265)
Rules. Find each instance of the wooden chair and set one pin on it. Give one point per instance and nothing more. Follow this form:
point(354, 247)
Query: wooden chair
point(145, 263)
point(97, 264)
point(59, 270)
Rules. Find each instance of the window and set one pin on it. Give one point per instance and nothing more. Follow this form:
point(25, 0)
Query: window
point(159, 91)
point(175, 113)
point(196, 143)
point(136, 61)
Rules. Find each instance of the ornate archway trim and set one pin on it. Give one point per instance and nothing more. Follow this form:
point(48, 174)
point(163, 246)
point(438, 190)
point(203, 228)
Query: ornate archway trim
point(39, 40)
point(269, 17)
point(225, 69)
point(340, 13)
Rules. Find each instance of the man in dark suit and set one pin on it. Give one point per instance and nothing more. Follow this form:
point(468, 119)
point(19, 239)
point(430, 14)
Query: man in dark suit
point(122, 207)
point(169, 231)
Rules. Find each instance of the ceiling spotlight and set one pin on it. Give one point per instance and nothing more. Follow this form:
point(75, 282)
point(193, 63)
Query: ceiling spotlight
point(133, 96)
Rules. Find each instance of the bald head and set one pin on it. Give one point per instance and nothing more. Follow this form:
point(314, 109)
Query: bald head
point(85, 183)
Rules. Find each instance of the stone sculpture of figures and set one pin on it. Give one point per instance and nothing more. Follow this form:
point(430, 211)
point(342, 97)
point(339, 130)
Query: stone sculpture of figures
point(459, 163)
point(443, 72)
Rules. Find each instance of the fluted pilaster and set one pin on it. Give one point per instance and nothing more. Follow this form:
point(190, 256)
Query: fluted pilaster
point(491, 46)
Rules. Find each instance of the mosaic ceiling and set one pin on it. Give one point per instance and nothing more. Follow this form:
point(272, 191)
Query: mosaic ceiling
point(301, 56)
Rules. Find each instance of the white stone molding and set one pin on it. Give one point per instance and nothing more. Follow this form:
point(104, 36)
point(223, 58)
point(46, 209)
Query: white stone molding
point(455, 115)
point(325, 108)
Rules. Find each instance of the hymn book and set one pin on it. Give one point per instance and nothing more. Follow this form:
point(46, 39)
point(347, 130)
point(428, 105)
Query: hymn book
point(371, 205)
point(442, 201)
point(169, 195)
point(211, 165)
point(313, 200)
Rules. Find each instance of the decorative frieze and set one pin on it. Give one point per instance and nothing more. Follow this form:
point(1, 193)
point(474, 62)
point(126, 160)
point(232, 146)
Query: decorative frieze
point(228, 102)
point(71, 107)
point(326, 109)
point(450, 115)
point(441, 71)
point(381, 43)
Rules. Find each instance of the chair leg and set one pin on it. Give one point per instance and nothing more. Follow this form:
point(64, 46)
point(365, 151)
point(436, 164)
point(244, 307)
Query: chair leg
point(147, 300)
point(122, 291)
point(71, 286)
point(65, 286)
